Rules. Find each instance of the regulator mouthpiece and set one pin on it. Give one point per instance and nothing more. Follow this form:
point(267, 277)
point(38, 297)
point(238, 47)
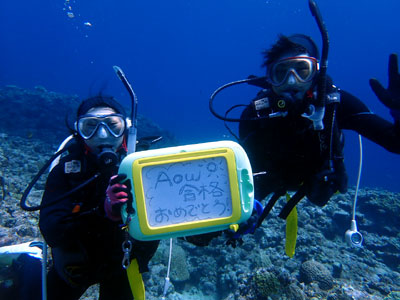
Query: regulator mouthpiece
point(353, 237)
point(107, 158)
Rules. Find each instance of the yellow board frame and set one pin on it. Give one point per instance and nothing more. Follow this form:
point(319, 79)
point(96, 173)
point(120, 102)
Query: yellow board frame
point(238, 173)
point(141, 163)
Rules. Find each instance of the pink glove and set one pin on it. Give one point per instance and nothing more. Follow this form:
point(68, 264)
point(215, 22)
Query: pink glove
point(116, 195)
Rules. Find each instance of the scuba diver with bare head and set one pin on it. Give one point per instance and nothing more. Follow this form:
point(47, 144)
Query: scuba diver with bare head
point(292, 130)
point(84, 228)
point(294, 155)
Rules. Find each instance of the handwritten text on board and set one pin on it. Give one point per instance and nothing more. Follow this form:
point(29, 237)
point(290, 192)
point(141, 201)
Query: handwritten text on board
point(182, 192)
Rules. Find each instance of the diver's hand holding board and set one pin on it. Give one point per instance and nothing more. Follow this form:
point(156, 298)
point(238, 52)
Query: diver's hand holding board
point(187, 190)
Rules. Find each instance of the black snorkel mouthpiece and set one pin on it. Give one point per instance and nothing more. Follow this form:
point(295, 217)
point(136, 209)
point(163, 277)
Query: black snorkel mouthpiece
point(316, 112)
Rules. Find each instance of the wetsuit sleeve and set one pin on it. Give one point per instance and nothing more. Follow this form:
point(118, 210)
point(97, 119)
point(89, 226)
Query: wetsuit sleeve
point(51, 221)
point(355, 115)
point(202, 240)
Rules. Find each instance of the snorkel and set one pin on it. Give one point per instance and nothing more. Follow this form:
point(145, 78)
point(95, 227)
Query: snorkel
point(316, 112)
point(132, 128)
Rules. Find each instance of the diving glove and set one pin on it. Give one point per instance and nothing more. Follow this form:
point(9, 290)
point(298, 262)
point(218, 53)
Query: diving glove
point(117, 193)
point(247, 227)
point(390, 97)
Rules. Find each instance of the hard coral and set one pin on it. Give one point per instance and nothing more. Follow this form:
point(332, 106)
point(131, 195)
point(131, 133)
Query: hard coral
point(312, 270)
point(265, 283)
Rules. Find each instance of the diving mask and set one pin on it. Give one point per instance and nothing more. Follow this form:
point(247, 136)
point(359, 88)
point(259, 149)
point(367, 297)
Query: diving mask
point(88, 124)
point(303, 68)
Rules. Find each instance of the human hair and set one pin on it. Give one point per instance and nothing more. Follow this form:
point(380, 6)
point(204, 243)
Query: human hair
point(100, 101)
point(296, 44)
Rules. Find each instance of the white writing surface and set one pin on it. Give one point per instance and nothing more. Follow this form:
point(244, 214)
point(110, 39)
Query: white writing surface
point(182, 192)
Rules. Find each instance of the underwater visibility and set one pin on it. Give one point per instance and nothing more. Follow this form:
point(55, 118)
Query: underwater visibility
point(207, 150)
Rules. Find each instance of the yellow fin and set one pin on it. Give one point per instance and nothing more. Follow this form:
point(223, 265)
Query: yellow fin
point(291, 231)
point(136, 281)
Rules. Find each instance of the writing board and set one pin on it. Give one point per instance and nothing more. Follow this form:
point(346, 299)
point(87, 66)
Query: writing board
point(188, 190)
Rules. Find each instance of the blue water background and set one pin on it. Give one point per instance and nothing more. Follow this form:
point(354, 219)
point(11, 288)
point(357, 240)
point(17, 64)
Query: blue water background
point(176, 53)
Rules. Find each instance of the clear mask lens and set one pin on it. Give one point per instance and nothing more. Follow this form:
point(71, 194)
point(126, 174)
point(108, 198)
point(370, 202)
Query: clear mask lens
point(88, 125)
point(303, 68)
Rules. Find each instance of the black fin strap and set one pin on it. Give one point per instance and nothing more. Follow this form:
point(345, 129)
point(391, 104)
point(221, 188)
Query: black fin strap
point(292, 203)
point(269, 206)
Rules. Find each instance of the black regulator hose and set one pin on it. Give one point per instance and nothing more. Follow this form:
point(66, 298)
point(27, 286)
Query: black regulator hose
point(322, 77)
point(58, 199)
point(35, 179)
point(211, 101)
point(23, 204)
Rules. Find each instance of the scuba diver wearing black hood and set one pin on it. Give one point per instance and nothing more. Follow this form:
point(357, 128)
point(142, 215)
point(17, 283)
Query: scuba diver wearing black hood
point(296, 144)
point(83, 225)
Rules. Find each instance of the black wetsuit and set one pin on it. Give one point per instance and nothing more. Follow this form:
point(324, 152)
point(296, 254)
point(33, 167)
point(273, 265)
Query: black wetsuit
point(86, 245)
point(289, 150)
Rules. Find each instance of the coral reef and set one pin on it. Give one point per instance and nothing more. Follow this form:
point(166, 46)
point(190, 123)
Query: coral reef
point(40, 114)
point(265, 284)
point(313, 271)
point(216, 271)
